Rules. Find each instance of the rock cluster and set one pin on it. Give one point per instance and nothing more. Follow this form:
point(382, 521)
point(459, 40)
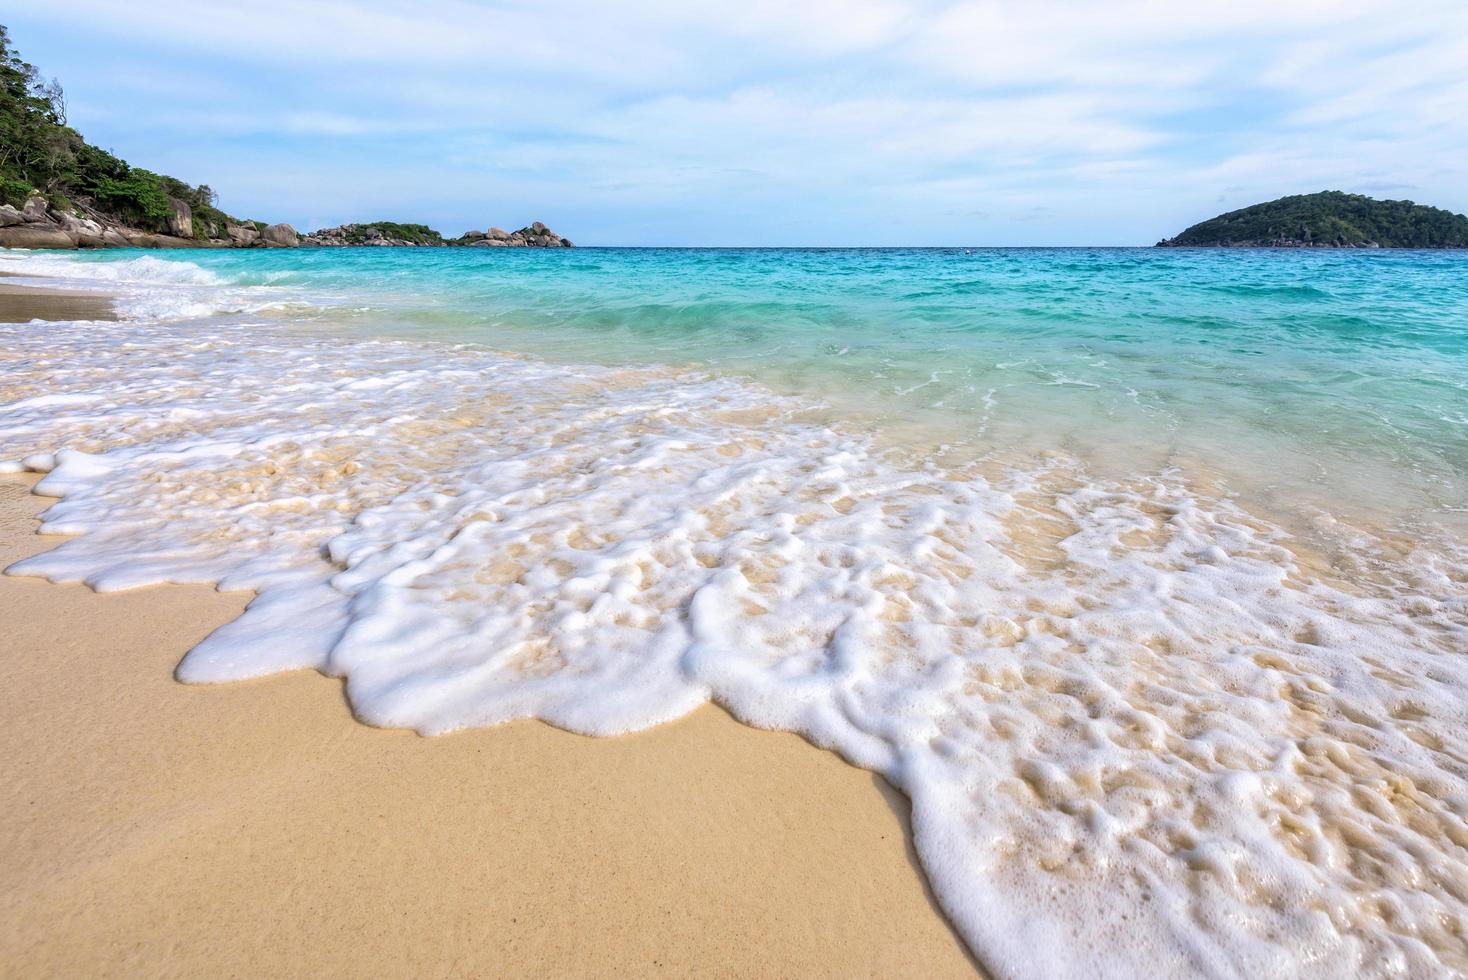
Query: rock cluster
point(534, 235)
point(389, 234)
point(36, 226)
point(360, 235)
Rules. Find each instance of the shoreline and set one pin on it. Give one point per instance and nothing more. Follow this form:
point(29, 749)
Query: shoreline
point(23, 303)
point(163, 827)
point(1034, 650)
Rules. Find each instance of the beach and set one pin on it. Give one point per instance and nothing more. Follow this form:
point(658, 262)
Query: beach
point(1056, 612)
point(155, 828)
point(19, 304)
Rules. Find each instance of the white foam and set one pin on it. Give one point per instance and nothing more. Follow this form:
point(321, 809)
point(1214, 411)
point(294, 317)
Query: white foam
point(1144, 733)
point(146, 287)
point(145, 269)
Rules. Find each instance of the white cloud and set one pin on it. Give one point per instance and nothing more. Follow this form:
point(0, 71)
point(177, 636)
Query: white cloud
point(840, 115)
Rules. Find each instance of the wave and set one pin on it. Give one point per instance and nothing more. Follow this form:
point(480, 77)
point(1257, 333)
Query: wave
point(145, 269)
point(1143, 730)
point(148, 288)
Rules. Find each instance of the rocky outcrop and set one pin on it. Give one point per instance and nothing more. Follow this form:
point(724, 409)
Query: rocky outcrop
point(35, 236)
point(386, 234)
point(181, 218)
point(391, 234)
point(83, 226)
point(36, 226)
point(32, 227)
point(533, 235)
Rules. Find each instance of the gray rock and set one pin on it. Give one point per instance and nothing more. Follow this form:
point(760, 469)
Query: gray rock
point(80, 226)
point(241, 234)
point(34, 211)
point(538, 228)
point(280, 235)
point(10, 216)
point(181, 221)
point(112, 238)
point(166, 241)
point(499, 234)
point(31, 236)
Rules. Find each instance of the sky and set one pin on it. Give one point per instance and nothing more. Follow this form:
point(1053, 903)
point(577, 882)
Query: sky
point(812, 122)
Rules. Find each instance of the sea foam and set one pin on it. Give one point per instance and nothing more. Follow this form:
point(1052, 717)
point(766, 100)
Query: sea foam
point(1144, 731)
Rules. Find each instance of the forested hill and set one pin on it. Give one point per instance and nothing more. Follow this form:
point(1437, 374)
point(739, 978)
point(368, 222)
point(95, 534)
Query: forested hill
point(1330, 219)
point(54, 185)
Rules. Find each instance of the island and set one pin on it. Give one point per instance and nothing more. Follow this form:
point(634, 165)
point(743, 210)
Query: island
point(393, 234)
point(1329, 219)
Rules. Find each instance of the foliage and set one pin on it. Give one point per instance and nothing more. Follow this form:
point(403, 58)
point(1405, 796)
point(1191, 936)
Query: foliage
point(40, 152)
point(1333, 218)
point(138, 196)
point(14, 191)
point(419, 234)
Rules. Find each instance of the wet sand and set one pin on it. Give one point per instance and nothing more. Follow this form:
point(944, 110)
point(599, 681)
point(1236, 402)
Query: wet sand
point(21, 304)
point(156, 828)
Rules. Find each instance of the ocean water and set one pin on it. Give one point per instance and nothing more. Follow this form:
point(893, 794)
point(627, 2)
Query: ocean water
point(1143, 573)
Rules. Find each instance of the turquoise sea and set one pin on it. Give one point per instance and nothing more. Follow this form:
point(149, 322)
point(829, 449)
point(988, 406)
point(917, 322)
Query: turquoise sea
point(1342, 374)
point(1142, 573)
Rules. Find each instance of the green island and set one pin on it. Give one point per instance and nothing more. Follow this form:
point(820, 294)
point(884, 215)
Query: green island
point(1329, 219)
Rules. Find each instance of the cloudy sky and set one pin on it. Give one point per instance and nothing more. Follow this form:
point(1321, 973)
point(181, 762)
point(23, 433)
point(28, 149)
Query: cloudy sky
point(770, 123)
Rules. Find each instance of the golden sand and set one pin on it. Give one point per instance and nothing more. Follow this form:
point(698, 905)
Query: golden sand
point(154, 828)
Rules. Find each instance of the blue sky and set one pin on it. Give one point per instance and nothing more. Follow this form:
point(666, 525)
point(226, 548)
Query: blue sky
point(770, 123)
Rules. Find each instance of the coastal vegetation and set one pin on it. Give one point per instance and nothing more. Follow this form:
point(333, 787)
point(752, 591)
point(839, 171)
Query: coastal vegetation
point(377, 233)
point(42, 156)
point(392, 233)
point(1329, 219)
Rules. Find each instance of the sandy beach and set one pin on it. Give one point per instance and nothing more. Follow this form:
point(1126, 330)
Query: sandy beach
point(21, 304)
point(161, 829)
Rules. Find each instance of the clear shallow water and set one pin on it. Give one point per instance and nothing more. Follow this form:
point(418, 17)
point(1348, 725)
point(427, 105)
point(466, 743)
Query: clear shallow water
point(1342, 375)
point(1140, 572)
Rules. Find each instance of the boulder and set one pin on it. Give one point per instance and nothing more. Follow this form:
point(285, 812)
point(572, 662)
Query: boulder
point(34, 211)
point(165, 241)
point(10, 216)
point(499, 234)
point(112, 238)
point(281, 235)
point(31, 236)
point(537, 228)
point(181, 218)
point(80, 226)
point(242, 234)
